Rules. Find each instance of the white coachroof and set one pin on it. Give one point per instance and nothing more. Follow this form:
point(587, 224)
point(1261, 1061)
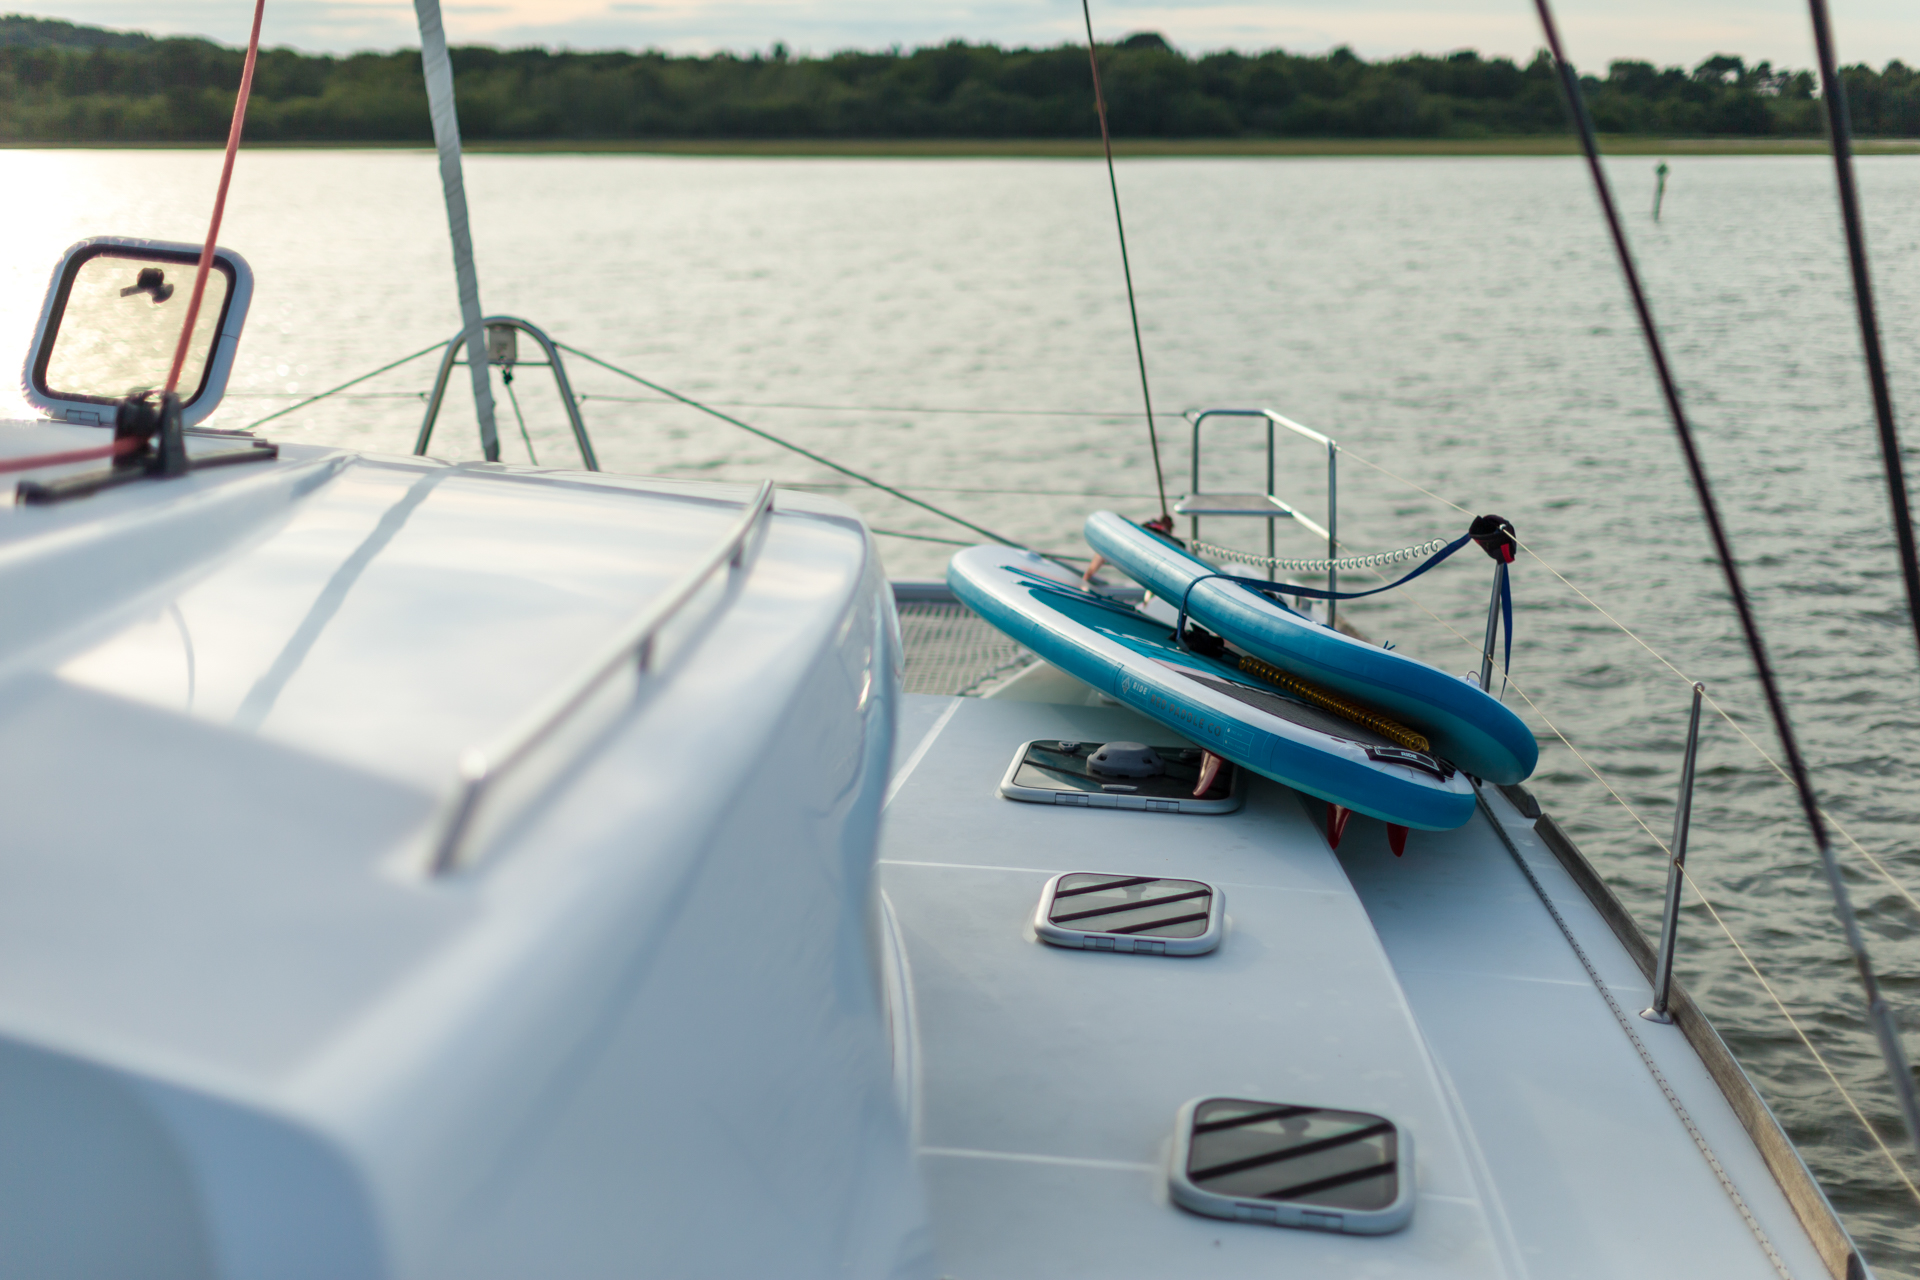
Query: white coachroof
point(243, 1032)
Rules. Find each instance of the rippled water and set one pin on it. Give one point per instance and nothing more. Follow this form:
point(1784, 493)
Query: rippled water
point(1458, 322)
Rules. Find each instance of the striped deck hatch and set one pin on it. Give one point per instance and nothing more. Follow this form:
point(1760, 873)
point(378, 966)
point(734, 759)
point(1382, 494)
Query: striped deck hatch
point(1304, 1155)
point(1131, 906)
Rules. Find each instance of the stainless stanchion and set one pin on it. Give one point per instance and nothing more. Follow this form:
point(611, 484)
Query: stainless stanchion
point(1676, 871)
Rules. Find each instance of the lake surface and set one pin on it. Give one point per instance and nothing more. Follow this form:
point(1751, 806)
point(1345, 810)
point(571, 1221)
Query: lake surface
point(959, 328)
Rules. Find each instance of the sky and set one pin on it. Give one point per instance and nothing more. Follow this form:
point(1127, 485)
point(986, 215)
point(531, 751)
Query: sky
point(1667, 32)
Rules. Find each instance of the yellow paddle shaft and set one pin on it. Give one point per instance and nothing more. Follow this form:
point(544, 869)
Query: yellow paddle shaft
point(1333, 702)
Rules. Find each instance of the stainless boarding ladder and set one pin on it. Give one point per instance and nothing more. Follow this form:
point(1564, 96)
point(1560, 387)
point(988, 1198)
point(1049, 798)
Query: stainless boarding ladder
point(1265, 506)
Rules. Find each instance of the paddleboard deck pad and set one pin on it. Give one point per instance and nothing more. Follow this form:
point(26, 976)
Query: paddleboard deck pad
point(1133, 659)
point(1464, 724)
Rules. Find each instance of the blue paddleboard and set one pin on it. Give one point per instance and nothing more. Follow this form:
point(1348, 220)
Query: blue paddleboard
point(1132, 658)
point(1465, 724)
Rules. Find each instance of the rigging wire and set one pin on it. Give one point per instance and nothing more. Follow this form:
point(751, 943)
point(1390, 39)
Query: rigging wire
point(350, 382)
point(219, 200)
point(1879, 1015)
point(506, 378)
point(1840, 135)
point(768, 436)
point(1126, 268)
point(958, 542)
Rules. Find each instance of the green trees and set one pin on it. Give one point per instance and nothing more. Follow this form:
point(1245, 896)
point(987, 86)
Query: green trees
point(59, 82)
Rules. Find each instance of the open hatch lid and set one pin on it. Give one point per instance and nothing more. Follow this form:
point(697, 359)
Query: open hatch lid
point(111, 321)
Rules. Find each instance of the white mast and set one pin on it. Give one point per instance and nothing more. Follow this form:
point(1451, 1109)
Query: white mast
point(446, 138)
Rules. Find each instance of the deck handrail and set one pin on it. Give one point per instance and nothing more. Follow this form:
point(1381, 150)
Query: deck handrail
point(482, 765)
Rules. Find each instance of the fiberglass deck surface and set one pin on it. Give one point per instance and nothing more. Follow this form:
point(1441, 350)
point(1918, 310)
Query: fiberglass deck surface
point(1049, 1079)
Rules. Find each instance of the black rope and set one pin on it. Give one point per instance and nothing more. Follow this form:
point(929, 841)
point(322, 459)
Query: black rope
point(1878, 1014)
point(1840, 134)
point(770, 438)
point(506, 376)
point(1126, 268)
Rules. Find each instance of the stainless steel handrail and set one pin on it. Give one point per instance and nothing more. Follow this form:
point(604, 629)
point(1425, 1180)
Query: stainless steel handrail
point(451, 358)
point(1198, 416)
point(481, 766)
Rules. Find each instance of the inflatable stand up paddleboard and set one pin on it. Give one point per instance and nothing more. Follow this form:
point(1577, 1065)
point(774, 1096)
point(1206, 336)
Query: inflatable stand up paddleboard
point(1464, 724)
point(1128, 656)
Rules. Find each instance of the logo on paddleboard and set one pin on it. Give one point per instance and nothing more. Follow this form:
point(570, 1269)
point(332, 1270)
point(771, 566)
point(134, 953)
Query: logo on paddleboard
point(1167, 709)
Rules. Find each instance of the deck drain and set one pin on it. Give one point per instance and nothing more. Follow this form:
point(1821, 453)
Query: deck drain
point(1289, 1165)
point(1145, 915)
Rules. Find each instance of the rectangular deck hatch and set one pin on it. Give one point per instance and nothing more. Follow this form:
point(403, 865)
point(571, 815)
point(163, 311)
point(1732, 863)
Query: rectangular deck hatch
point(1292, 1165)
point(1144, 915)
point(1052, 771)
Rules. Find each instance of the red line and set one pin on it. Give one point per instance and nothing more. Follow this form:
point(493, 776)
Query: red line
point(219, 199)
point(37, 460)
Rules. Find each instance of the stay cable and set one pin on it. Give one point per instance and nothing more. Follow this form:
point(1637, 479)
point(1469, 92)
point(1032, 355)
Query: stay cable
point(1879, 1015)
point(1833, 92)
point(1126, 267)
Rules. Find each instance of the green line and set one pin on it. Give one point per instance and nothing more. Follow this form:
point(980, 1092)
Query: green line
point(281, 413)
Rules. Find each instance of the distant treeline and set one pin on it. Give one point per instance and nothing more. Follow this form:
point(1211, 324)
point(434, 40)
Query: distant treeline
point(60, 82)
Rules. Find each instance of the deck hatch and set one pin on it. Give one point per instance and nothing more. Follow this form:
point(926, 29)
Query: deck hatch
point(1049, 771)
point(1150, 915)
point(1291, 1165)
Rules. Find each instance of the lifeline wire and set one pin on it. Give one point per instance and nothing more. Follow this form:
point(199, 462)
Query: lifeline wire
point(219, 199)
point(1126, 269)
point(1879, 1016)
point(1840, 134)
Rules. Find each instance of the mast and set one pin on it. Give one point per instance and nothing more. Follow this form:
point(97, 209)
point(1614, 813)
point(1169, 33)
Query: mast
point(446, 140)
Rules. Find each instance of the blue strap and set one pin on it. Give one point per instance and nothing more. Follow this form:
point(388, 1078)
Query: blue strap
point(1266, 585)
point(1506, 620)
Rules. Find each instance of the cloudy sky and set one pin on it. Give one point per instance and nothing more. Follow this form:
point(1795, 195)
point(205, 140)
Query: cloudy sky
point(1664, 31)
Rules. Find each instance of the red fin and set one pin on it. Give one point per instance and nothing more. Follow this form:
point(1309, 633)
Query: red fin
point(1209, 770)
point(1337, 816)
point(1396, 839)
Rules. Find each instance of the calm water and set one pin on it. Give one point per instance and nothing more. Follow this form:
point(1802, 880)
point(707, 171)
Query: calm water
point(1458, 322)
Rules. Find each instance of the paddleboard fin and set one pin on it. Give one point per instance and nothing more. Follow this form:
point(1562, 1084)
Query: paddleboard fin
point(1337, 815)
point(1396, 839)
point(1209, 770)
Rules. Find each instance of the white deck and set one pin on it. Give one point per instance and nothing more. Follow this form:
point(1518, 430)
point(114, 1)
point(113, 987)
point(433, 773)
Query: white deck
point(1435, 989)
